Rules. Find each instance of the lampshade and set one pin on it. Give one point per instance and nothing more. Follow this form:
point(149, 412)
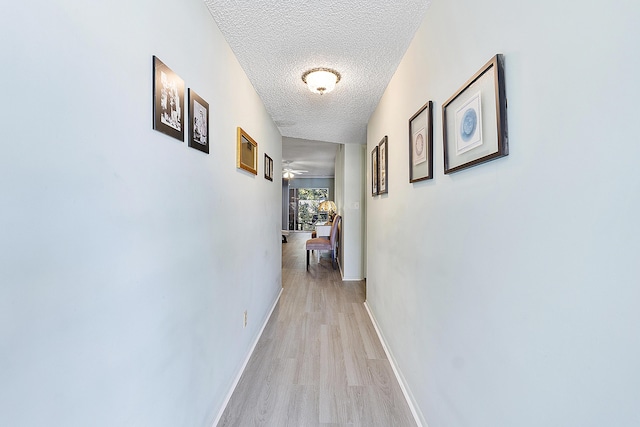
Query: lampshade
point(287, 175)
point(321, 80)
point(327, 206)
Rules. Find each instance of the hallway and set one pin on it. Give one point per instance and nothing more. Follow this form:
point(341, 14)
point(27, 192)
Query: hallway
point(319, 361)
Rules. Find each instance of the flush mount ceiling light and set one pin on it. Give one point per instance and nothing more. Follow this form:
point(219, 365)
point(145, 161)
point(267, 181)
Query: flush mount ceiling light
point(321, 80)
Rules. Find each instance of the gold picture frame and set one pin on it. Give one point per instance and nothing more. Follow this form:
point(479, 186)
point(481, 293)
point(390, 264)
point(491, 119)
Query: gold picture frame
point(247, 152)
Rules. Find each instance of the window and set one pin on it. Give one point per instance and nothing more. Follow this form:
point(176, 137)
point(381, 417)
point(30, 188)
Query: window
point(303, 208)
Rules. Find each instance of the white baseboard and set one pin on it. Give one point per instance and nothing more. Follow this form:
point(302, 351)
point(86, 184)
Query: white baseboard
point(348, 279)
point(414, 410)
point(244, 365)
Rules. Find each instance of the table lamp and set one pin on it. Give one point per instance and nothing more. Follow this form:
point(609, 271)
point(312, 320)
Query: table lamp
point(329, 207)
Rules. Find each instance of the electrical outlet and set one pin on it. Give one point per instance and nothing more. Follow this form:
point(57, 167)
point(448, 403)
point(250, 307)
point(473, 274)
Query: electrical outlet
point(245, 319)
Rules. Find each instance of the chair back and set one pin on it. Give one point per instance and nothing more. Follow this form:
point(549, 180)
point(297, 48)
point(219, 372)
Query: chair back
point(334, 231)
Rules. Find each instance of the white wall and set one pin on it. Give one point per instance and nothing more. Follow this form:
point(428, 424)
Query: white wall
point(127, 258)
point(350, 200)
point(508, 293)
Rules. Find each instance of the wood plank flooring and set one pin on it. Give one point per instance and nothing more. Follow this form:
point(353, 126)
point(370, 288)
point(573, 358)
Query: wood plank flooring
point(319, 361)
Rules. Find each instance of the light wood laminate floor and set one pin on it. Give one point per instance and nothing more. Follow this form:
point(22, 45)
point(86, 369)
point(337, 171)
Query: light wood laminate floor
point(319, 361)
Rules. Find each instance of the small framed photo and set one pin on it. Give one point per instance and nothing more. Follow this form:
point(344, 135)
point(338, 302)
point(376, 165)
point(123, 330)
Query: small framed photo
point(198, 122)
point(474, 119)
point(268, 167)
point(168, 101)
point(383, 163)
point(374, 171)
point(247, 152)
point(421, 144)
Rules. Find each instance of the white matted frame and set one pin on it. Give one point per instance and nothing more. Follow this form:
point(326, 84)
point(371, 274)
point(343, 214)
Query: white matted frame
point(198, 122)
point(268, 167)
point(375, 170)
point(474, 119)
point(421, 144)
point(383, 166)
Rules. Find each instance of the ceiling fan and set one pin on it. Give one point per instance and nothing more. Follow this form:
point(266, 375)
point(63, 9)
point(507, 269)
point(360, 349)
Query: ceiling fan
point(288, 172)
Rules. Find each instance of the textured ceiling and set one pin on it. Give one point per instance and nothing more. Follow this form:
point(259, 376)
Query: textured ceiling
point(276, 41)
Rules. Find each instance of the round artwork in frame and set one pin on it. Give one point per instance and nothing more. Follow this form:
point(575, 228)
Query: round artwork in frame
point(468, 125)
point(419, 145)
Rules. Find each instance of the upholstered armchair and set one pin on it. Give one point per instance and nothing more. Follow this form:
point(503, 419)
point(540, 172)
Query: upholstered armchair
point(324, 244)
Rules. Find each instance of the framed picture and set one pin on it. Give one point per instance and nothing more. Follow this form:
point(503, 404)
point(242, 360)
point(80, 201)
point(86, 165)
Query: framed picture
point(374, 171)
point(383, 163)
point(247, 152)
point(168, 101)
point(475, 119)
point(421, 144)
point(268, 167)
point(198, 122)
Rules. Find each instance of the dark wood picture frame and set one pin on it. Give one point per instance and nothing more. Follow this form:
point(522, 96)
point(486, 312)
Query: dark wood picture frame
point(374, 171)
point(247, 152)
point(198, 122)
point(383, 166)
point(474, 119)
point(268, 167)
point(421, 144)
point(168, 101)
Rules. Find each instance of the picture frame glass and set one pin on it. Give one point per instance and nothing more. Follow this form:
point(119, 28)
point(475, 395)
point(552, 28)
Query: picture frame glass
point(374, 171)
point(168, 101)
point(474, 119)
point(421, 144)
point(383, 164)
point(198, 122)
point(471, 122)
point(247, 152)
point(268, 167)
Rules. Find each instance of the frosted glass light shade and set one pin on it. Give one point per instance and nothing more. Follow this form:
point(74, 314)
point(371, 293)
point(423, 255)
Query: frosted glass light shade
point(321, 80)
